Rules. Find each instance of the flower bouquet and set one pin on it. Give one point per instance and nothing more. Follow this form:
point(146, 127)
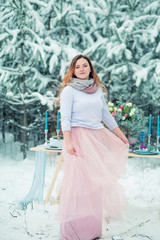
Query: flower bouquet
point(129, 118)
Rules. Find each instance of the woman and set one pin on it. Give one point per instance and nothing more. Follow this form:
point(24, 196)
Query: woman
point(94, 157)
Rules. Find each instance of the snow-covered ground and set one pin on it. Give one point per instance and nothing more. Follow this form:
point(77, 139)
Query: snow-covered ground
point(141, 219)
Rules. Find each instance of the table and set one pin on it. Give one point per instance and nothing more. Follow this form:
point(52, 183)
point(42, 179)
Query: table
point(60, 162)
point(138, 155)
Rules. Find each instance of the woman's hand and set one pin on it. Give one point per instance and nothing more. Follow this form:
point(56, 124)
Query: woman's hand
point(71, 149)
point(120, 134)
point(124, 139)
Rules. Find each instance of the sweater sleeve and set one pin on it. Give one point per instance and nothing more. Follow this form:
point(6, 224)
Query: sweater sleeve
point(66, 102)
point(107, 117)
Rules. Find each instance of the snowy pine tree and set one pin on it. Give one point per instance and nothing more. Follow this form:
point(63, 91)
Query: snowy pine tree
point(39, 38)
point(23, 67)
point(127, 49)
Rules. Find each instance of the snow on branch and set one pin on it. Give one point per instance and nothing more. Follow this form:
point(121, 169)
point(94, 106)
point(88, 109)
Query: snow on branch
point(33, 34)
point(37, 51)
point(6, 17)
point(102, 12)
point(145, 18)
point(39, 3)
point(102, 4)
point(44, 99)
point(73, 12)
point(95, 46)
point(14, 33)
point(38, 24)
point(3, 36)
point(153, 7)
point(4, 77)
point(115, 51)
point(28, 99)
point(52, 62)
point(28, 128)
point(6, 6)
point(13, 71)
point(140, 73)
point(12, 100)
point(51, 44)
point(40, 80)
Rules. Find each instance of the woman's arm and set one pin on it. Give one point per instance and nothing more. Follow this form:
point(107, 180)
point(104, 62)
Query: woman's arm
point(70, 148)
point(110, 122)
point(66, 101)
point(107, 117)
point(117, 131)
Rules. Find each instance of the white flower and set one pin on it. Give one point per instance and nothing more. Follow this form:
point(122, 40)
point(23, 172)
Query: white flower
point(123, 118)
point(110, 104)
point(119, 110)
point(133, 110)
point(131, 114)
point(115, 109)
point(129, 104)
point(110, 109)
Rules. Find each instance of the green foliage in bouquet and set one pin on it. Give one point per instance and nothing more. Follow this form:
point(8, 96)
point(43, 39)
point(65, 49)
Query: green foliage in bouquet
point(129, 117)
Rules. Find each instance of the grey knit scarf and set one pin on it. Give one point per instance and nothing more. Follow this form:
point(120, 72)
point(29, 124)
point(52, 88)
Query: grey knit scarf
point(88, 86)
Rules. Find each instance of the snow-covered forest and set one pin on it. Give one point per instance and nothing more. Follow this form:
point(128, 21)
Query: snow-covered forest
point(38, 39)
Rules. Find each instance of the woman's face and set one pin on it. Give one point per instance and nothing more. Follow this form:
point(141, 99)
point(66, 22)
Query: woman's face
point(82, 69)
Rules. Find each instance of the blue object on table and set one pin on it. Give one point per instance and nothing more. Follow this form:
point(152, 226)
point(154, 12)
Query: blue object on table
point(46, 126)
point(149, 128)
point(36, 191)
point(158, 126)
point(53, 148)
point(142, 136)
point(141, 152)
point(58, 120)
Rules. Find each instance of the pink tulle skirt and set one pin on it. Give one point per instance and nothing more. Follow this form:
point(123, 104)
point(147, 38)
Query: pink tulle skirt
point(90, 188)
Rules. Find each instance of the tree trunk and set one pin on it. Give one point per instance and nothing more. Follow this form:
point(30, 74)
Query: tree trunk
point(24, 133)
point(23, 88)
point(3, 123)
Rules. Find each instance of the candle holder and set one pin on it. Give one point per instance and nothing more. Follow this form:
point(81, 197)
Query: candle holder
point(149, 142)
point(157, 144)
point(142, 138)
point(46, 137)
point(58, 134)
